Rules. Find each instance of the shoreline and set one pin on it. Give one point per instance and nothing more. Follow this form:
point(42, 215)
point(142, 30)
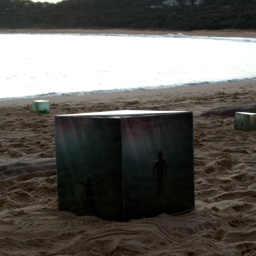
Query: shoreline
point(105, 96)
point(210, 33)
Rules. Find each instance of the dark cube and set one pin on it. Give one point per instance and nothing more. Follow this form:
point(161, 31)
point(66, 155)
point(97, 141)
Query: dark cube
point(127, 164)
point(245, 121)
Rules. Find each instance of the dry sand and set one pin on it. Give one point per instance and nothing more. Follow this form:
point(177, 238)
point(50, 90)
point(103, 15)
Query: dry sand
point(223, 222)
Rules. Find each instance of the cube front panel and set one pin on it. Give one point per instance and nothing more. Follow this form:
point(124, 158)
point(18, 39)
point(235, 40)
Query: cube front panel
point(89, 168)
point(125, 167)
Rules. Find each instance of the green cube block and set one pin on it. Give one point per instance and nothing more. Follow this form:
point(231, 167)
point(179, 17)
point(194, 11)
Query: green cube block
point(245, 121)
point(127, 164)
point(41, 106)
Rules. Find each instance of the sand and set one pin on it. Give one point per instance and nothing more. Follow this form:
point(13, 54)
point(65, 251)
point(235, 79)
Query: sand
point(223, 222)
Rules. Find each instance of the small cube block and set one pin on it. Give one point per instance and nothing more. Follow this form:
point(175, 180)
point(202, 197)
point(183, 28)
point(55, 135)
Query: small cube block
point(245, 121)
point(127, 164)
point(41, 106)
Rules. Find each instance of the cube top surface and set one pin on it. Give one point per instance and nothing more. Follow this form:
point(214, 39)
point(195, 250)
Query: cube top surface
point(40, 101)
point(245, 113)
point(124, 113)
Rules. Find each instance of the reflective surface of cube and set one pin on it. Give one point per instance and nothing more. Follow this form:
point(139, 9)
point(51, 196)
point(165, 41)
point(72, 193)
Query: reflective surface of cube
point(41, 106)
point(127, 164)
point(245, 121)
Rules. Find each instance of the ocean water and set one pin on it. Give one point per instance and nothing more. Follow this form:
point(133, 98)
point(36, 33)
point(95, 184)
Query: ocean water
point(49, 64)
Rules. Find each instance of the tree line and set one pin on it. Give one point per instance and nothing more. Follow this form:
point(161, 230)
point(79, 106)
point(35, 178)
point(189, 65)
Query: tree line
point(129, 14)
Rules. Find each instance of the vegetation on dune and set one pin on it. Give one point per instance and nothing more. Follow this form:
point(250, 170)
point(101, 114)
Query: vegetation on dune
point(129, 14)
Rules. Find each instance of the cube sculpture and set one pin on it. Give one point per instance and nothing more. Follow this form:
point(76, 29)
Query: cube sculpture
point(245, 121)
point(121, 165)
point(41, 106)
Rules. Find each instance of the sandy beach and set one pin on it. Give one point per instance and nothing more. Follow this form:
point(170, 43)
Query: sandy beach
point(223, 222)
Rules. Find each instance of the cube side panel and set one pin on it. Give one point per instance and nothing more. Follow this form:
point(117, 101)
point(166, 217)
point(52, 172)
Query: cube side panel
point(252, 125)
point(89, 169)
point(148, 189)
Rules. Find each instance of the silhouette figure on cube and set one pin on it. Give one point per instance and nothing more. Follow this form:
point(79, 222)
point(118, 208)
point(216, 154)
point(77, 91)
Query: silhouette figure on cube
point(89, 189)
point(160, 172)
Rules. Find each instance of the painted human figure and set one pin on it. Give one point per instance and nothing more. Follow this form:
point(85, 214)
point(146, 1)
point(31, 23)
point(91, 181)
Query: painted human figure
point(88, 189)
point(160, 172)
